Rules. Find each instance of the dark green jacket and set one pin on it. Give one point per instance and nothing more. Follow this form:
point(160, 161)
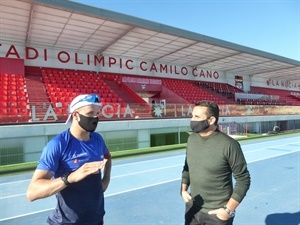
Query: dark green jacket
point(210, 163)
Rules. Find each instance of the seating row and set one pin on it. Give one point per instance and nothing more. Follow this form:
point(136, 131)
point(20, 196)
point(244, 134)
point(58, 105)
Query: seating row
point(13, 96)
point(62, 86)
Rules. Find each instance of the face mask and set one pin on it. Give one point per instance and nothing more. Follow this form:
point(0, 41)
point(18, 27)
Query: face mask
point(89, 124)
point(199, 126)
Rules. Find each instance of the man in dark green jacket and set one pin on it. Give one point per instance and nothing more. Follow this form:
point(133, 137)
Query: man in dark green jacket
point(212, 158)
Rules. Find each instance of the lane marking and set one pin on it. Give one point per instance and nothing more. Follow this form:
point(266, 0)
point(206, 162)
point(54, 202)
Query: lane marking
point(271, 147)
point(114, 177)
point(14, 182)
point(146, 171)
point(160, 168)
point(25, 214)
point(114, 166)
point(12, 196)
point(170, 157)
point(134, 189)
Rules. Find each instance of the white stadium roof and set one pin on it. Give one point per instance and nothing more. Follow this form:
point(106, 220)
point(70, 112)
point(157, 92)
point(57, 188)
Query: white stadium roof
point(63, 24)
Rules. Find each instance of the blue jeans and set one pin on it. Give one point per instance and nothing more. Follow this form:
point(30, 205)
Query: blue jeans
point(193, 216)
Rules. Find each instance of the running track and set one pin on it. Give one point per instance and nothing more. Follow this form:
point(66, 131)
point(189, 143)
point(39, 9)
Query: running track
point(145, 190)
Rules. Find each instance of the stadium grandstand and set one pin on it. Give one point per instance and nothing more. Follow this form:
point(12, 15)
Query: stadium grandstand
point(148, 75)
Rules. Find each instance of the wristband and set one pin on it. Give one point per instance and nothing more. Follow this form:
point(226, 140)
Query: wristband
point(230, 213)
point(64, 178)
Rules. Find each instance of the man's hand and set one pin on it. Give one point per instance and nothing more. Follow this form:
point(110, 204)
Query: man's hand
point(220, 213)
point(186, 196)
point(86, 170)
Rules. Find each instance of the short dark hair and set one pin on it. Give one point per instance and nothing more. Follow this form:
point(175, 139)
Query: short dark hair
point(212, 109)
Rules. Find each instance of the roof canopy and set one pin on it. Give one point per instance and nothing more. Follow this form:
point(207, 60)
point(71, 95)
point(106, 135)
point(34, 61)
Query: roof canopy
point(67, 25)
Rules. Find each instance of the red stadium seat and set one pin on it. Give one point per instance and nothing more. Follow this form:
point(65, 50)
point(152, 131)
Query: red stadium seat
point(12, 98)
point(12, 111)
point(4, 87)
point(22, 104)
point(3, 111)
point(3, 105)
point(3, 93)
point(23, 112)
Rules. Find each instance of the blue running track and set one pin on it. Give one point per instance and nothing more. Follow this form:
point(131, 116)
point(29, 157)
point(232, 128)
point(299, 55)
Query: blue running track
point(145, 190)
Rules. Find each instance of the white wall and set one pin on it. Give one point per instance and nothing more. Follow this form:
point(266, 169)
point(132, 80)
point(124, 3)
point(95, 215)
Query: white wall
point(33, 137)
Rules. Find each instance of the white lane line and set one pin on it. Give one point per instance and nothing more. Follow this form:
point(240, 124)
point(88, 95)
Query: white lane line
point(25, 214)
point(142, 187)
point(114, 177)
point(14, 182)
point(134, 189)
point(271, 147)
point(129, 190)
point(12, 196)
point(151, 170)
point(150, 160)
point(167, 158)
point(146, 171)
point(109, 195)
point(273, 156)
point(114, 166)
point(155, 169)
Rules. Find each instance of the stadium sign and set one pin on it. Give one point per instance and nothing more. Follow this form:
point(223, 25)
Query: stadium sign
point(282, 84)
point(43, 57)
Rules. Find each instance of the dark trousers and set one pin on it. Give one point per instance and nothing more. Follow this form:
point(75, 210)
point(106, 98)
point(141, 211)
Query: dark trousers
point(193, 216)
point(101, 223)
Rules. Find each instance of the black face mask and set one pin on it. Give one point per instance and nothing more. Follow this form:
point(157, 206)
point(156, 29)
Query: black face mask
point(199, 126)
point(89, 124)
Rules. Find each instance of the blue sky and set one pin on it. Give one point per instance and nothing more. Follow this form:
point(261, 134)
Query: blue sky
point(271, 26)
